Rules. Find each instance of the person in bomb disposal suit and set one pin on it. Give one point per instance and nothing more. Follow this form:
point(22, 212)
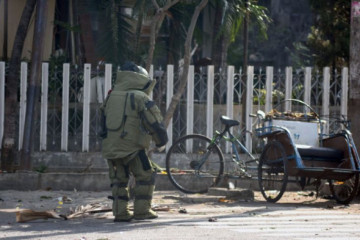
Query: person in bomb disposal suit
point(130, 121)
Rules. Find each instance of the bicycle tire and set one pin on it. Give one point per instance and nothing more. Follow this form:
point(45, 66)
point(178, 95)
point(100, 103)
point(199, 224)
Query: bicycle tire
point(272, 171)
point(345, 191)
point(181, 164)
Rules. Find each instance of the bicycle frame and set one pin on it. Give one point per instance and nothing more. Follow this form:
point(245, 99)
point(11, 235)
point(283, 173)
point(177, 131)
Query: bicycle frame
point(234, 143)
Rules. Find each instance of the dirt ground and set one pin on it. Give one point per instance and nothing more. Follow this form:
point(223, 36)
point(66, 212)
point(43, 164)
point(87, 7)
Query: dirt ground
point(298, 215)
point(67, 202)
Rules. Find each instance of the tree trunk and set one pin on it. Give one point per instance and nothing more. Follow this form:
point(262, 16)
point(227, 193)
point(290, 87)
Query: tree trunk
point(32, 106)
point(155, 27)
point(139, 23)
point(6, 22)
point(183, 79)
point(245, 66)
point(218, 56)
point(72, 34)
point(8, 151)
point(78, 42)
point(354, 93)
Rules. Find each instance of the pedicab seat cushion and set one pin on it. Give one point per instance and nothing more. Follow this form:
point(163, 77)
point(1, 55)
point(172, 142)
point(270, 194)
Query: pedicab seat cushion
point(320, 153)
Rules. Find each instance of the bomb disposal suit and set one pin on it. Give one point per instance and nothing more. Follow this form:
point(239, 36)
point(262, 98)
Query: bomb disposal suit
point(132, 120)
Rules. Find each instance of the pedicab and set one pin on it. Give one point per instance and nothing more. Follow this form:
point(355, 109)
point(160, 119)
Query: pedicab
point(299, 150)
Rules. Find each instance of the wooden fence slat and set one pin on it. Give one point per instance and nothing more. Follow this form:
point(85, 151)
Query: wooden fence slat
point(44, 106)
point(86, 108)
point(169, 95)
point(65, 108)
point(210, 102)
point(2, 100)
point(23, 99)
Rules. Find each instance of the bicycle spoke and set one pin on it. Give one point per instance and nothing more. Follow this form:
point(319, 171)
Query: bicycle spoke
point(191, 167)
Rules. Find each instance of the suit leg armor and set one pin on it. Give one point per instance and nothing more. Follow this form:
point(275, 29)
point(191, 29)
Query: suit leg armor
point(145, 185)
point(119, 177)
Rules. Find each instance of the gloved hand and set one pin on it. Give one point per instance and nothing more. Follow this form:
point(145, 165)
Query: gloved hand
point(161, 148)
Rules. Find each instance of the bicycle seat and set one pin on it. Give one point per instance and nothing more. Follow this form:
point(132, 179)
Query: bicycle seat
point(228, 121)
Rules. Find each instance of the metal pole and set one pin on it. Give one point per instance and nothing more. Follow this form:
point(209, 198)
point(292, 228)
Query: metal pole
point(34, 83)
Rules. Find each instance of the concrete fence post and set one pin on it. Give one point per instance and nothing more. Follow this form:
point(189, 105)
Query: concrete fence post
point(108, 79)
point(269, 88)
point(190, 106)
point(344, 91)
point(2, 100)
point(86, 108)
point(249, 106)
point(169, 95)
point(307, 86)
point(326, 96)
point(65, 108)
point(210, 102)
point(23, 99)
point(288, 86)
point(44, 106)
point(230, 100)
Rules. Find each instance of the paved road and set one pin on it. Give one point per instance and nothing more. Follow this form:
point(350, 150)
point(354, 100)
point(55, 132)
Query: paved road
point(207, 217)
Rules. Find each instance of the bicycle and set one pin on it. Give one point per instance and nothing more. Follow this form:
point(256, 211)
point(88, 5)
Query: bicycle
point(194, 162)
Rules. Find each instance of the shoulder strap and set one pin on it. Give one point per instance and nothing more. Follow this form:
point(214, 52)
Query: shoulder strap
point(123, 133)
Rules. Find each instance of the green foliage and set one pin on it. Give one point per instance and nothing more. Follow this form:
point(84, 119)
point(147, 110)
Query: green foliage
point(259, 22)
point(260, 99)
point(301, 56)
point(277, 95)
point(235, 12)
point(41, 169)
point(115, 39)
point(330, 36)
point(296, 91)
point(67, 26)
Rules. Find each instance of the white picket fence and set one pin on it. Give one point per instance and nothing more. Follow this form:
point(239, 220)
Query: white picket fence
point(104, 84)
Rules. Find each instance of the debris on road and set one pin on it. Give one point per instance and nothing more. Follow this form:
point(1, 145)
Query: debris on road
point(182, 210)
point(27, 215)
point(212, 219)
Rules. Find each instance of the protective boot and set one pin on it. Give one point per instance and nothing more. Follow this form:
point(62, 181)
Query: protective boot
point(120, 204)
point(121, 211)
point(142, 210)
point(142, 203)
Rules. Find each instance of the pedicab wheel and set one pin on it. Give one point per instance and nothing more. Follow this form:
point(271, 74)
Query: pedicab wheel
point(273, 171)
point(193, 164)
point(344, 191)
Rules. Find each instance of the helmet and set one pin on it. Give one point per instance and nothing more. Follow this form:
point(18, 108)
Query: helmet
point(130, 66)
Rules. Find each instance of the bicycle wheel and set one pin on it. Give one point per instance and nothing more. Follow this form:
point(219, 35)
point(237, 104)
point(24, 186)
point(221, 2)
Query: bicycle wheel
point(272, 171)
point(191, 166)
